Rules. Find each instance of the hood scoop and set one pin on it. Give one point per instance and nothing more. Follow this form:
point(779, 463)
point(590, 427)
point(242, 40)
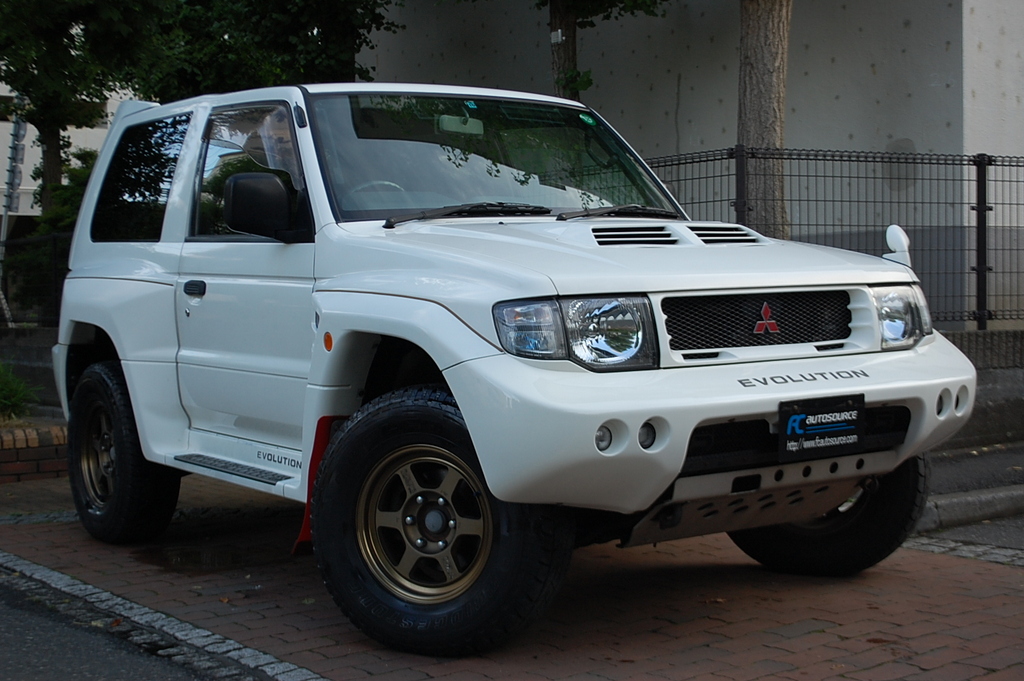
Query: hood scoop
point(723, 234)
point(658, 235)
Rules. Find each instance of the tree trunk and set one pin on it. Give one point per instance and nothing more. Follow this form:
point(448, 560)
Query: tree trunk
point(564, 67)
point(764, 49)
point(53, 164)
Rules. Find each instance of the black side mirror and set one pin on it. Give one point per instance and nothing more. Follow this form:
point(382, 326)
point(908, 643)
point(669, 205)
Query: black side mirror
point(256, 203)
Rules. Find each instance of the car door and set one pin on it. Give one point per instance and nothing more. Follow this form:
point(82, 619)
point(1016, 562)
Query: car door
point(244, 302)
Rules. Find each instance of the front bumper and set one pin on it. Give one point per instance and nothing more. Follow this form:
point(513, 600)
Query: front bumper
point(533, 423)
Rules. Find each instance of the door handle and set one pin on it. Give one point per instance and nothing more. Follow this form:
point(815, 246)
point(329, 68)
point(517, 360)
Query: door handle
point(195, 287)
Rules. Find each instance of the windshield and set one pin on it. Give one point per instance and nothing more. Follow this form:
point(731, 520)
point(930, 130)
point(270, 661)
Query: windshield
point(387, 154)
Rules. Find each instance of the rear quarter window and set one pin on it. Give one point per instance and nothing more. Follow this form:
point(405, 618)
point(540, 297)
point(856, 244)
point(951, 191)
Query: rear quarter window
point(133, 197)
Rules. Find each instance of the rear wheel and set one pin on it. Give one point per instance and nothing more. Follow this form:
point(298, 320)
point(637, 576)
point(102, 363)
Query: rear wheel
point(411, 544)
point(853, 537)
point(120, 497)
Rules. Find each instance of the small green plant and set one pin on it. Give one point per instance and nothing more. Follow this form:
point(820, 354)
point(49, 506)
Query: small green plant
point(15, 395)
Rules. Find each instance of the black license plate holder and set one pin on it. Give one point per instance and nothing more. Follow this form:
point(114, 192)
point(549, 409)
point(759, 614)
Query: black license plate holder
point(822, 427)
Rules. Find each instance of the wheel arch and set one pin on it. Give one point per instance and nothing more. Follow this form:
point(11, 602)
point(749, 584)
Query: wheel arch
point(87, 345)
point(399, 363)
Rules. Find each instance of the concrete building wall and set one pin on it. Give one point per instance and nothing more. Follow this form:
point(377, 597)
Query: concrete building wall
point(932, 76)
point(993, 81)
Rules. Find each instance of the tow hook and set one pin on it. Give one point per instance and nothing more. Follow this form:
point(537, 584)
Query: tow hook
point(870, 484)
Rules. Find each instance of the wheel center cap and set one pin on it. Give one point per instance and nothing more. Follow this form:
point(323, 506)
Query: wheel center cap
point(434, 521)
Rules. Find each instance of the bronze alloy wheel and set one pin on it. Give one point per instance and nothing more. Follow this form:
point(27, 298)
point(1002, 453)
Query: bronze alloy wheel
point(119, 495)
point(98, 459)
point(424, 524)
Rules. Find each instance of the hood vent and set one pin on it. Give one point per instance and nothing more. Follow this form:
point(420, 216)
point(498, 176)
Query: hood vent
point(723, 234)
point(659, 235)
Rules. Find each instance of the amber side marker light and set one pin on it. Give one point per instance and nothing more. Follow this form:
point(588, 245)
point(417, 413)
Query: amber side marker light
point(328, 342)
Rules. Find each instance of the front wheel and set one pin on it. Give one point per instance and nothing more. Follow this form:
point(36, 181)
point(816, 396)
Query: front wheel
point(120, 496)
point(853, 537)
point(411, 544)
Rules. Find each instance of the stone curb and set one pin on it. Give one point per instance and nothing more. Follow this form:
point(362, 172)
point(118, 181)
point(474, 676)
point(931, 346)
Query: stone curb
point(944, 511)
point(192, 639)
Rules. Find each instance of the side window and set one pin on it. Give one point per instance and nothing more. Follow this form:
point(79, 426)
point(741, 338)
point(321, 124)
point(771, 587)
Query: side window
point(133, 197)
point(255, 139)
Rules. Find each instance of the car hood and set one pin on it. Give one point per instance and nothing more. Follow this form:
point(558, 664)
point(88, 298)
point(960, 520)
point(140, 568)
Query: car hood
point(468, 265)
point(616, 255)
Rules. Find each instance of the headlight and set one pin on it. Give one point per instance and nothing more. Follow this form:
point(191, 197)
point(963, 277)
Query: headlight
point(601, 334)
point(903, 317)
point(531, 329)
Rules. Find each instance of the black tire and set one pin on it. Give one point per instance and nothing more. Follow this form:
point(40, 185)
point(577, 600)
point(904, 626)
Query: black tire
point(853, 537)
point(404, 469)
point(120, 497)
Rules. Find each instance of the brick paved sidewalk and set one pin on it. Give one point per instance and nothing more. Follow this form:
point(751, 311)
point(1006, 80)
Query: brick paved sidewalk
point(693, 609)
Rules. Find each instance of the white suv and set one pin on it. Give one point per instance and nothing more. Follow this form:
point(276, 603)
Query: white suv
point(470, 330)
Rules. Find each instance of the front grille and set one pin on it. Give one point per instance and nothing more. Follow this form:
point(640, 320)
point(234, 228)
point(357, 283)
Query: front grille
point(740, 321)
point(743, 445)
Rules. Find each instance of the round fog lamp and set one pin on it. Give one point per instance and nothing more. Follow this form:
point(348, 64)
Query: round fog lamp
point(647, 435)
point(603, 438)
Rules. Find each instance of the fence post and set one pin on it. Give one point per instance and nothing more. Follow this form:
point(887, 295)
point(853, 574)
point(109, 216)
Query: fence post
point(740, 204)
point(982, 268)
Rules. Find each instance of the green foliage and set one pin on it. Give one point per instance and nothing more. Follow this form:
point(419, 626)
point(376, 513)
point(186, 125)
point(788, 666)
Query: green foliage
point(15, 395)
point(586, 11)
point(224, 45)
point(575, 80)
point(33, 267)
point(316, 41)
point(64, 57)
point(204, 46)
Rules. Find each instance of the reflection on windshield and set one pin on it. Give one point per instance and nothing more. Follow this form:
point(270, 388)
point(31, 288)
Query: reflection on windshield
point(391, 154)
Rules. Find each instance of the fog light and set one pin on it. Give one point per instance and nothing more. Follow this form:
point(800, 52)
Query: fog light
point(603, 438)
point(647, 435)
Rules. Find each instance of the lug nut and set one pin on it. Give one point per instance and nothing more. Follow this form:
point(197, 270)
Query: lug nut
point(409, 520)
point(420, 543)
point(451, 524)
point(441, 502)
point(442, 544)
point(419, 500)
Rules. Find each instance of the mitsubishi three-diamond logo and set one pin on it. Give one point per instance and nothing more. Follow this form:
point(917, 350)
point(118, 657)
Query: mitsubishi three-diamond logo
point(766, 323)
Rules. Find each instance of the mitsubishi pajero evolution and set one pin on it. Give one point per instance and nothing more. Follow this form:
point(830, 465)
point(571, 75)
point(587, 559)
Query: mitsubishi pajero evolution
point(470, 330)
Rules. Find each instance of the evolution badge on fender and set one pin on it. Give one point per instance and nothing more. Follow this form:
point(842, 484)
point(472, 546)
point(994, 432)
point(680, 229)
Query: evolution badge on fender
point(818, 428)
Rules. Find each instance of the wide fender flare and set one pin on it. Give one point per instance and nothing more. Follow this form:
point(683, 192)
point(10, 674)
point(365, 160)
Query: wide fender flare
point(351, 317)
point(355, 322)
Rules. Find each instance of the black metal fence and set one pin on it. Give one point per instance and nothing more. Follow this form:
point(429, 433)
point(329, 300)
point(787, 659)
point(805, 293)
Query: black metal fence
point(964, 214)
point(33, 278)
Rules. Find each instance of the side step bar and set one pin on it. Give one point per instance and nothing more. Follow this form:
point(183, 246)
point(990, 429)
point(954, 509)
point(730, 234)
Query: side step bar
point(233, 468)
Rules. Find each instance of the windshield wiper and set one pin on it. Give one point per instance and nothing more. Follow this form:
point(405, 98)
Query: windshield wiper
point(632, 209)
point(469, 209)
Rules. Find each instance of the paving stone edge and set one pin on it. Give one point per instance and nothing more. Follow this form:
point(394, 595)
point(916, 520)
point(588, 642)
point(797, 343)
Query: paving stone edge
point(198, 648)
point(944, 511)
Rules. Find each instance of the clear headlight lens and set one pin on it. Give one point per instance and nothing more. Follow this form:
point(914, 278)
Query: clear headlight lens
point(601, 334)
point(903, 316)
point(531, 329)
point(610, 333)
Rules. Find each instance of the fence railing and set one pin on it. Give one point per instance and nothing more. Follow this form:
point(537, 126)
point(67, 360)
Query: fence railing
point(964, 214)
point(33, 277)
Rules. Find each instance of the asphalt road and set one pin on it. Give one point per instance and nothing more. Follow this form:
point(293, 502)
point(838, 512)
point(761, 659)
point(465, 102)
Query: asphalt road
point(41, 644)
point(48, 635)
